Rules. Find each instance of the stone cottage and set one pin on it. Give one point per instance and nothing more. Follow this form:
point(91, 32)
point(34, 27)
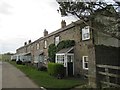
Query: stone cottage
point(82, 55)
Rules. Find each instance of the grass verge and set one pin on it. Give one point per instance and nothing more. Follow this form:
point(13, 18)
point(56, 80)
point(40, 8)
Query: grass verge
point(43, 79)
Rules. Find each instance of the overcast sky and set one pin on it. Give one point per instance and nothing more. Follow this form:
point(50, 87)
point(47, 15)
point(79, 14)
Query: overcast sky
point(22, 20)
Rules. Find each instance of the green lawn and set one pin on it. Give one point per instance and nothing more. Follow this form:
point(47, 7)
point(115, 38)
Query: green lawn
point(42, 78)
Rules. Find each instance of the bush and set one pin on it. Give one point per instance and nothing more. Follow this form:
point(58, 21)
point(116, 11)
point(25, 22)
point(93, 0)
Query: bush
point(42, 68)
point(56, 69)
point(53, 48)
point(19, 62)
point(65, 44)
point(52, 52)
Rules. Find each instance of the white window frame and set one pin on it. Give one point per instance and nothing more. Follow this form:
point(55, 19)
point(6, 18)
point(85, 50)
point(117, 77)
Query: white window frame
point(84, 62)
point(86, 33)
point(45, 44)
point(57, 40)
point(37, 46)
point(60, 59)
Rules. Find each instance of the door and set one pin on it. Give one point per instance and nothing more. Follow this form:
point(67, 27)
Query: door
point(70, 68)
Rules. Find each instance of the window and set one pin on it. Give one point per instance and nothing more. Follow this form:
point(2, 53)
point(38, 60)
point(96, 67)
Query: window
point(41, 58)
point(69, 58)
point(31, 47)
point(60, 59)
point(86, 33)
point(28, 48)
point(57, 40)
point(85, 62)
point(45, 43)
point(37, 46)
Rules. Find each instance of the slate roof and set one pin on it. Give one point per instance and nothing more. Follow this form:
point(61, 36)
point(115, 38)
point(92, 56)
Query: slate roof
point(65, 50)
point(55, 32)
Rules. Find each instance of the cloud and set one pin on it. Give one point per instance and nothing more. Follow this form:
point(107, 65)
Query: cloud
point(4, 7)
point(28, 20)
point(8, 45)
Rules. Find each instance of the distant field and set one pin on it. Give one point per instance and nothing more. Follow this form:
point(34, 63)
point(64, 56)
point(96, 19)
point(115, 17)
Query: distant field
point(0, 57)
point(5, 57)
point(0, 75)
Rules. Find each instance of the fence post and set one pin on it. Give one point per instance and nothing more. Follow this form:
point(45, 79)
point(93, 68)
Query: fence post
point(107, 76)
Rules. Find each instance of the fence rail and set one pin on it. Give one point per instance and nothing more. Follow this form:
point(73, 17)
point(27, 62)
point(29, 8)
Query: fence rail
point(108, 75)
point(112, 84)
point(108, 66)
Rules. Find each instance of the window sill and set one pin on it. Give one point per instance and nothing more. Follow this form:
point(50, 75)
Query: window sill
point(85, 68)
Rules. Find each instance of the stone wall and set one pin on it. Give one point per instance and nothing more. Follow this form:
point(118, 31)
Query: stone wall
point(72, 33)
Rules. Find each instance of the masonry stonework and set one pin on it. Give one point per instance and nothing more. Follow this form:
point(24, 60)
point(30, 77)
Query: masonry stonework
point(82, 48)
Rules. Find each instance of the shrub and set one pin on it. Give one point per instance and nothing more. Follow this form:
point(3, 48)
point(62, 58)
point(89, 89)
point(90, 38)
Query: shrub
point(65, 44)
point(52, 52)
point(19, 62)
point(53, 49)
point(56, 69)
point(42, 68)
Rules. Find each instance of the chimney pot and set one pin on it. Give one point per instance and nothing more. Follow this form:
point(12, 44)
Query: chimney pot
point(29, 41)
point(45, 32)
point(25, 43)
point(63, 23)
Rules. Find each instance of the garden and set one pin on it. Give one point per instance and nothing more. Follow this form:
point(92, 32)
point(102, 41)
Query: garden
point(48, 78)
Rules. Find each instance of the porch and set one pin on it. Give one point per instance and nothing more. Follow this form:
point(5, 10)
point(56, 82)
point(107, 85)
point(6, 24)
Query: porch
point(66, 57)
point(39, 58)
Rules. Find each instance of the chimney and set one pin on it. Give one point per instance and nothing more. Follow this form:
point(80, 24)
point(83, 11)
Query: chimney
point(25, 43)
point(63, 23)
point(45, 32)
point(29, 41)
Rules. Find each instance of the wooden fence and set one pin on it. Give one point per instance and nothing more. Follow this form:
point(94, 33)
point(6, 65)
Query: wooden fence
point(108, 76)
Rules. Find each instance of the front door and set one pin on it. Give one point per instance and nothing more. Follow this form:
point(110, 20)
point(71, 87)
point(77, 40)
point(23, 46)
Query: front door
point(70, 68)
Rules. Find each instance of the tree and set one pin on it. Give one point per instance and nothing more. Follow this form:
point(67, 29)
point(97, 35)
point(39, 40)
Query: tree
point(51, 52)
point(116, 1)
point(8, 53)
point(101, 13)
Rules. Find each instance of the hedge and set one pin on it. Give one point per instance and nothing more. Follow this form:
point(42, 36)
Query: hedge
point(56, 69)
